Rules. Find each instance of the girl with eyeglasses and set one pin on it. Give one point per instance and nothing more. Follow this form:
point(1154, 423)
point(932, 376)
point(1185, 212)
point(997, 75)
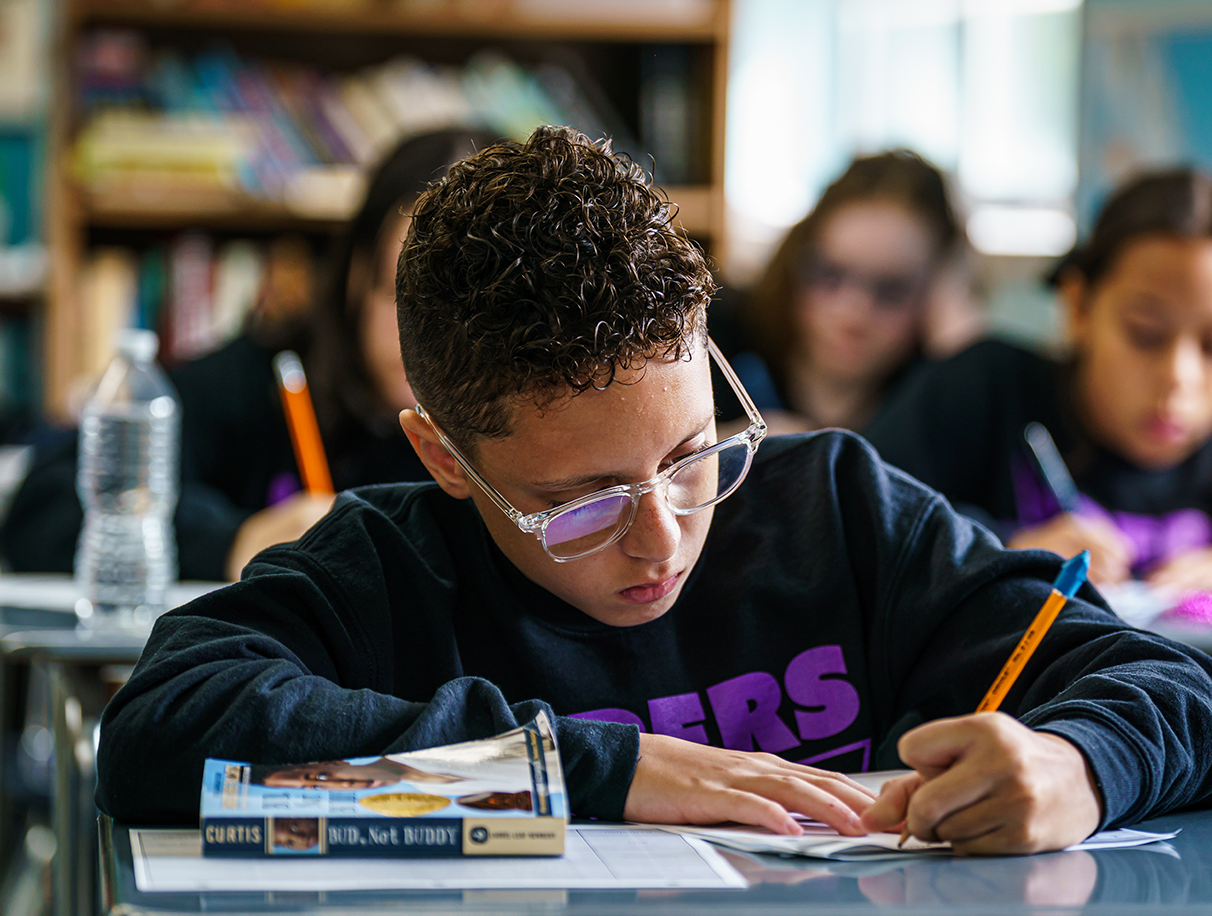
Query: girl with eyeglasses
point(858, 292)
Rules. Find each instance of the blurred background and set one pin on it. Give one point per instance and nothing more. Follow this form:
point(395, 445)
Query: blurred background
point(181, 164)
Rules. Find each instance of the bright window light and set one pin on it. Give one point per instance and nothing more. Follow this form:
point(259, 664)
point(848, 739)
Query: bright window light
point(1007, 230)
point(986, 89)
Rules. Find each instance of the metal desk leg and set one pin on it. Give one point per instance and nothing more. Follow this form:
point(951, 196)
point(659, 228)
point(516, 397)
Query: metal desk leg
point(76, 701)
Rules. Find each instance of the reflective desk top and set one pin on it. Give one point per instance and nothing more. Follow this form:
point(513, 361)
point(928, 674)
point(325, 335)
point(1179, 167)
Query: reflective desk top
point(1171, 878)
point(38, 619)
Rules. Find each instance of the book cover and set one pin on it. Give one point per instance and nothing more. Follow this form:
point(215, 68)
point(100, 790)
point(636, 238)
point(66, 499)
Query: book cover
point(496, 796)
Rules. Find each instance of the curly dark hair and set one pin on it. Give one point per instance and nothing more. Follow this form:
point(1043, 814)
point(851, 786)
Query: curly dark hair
point(539, 269)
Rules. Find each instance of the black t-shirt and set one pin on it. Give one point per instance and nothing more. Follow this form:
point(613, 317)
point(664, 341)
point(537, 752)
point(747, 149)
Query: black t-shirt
point(837, 603)
point(958, 427)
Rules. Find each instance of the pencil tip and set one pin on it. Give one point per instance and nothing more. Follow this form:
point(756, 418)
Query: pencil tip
point(1073, 574)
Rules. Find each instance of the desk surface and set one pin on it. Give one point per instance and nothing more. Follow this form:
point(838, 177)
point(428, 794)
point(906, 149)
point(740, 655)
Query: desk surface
point(38, 619)
point(53, 592)
point(1173, 878)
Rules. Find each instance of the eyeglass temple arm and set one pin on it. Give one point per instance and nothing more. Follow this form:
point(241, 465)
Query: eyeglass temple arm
point(738, 389)
point(489, 491)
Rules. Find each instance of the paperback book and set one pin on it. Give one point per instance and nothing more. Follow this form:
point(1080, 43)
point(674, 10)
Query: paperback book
point(503, 795)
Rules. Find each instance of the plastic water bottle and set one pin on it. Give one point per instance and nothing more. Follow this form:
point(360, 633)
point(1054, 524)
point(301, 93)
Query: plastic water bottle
point(127, 481)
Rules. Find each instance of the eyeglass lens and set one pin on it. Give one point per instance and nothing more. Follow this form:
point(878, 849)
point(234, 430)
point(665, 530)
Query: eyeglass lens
point(695, 485)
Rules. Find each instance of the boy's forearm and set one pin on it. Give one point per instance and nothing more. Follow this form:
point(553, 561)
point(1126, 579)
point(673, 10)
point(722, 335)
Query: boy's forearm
point(240, 695)
point(1138, 710)
point(237, 697)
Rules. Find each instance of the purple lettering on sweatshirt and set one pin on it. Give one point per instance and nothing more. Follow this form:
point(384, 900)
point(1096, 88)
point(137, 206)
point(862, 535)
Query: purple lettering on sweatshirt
point(1155, 539)
point(864, 746)
point(832, 703)
point(1033, 500)
point(622, 716)
point(746, 709)
point(680, 716)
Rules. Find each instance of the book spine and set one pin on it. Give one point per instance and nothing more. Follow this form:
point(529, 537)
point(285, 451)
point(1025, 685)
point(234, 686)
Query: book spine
point(381, 838)
point(392, 837)
point(234, 836)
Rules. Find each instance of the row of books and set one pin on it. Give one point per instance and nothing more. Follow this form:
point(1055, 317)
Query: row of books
point(162, 126)
point(196, 292)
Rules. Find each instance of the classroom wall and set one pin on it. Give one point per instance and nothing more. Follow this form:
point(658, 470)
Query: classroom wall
point(1146, 90)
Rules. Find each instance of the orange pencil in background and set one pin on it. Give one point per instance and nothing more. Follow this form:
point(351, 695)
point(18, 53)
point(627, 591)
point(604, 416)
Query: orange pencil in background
point(301, 420)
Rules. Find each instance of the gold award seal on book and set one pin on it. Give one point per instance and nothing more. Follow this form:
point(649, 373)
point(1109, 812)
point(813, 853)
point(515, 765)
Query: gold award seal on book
point(405, 804)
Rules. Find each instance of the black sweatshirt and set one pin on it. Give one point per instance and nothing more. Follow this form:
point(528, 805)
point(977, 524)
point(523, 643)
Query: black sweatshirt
point(837, 603)
point(958, 427)
point(236, 459)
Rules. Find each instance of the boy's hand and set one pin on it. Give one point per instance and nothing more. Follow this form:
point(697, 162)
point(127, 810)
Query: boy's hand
point(680, 782)
point(1068, 534)
point(1186, 572)
point(989, 784)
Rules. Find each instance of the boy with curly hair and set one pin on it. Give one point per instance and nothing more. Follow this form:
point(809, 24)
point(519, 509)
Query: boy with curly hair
point(715, 629)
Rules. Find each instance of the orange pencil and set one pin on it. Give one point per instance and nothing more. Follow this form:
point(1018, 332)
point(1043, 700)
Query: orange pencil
point(1072, 575)
point(301, 420)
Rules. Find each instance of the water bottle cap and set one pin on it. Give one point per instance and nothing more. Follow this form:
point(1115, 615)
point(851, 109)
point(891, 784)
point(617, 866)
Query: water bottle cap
point(136, 344)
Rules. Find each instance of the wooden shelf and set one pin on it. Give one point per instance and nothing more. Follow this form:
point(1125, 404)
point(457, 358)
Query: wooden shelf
point(499, 22)
point(20, 299)
point(109, 213)
point(695, 204)
point(696, 208)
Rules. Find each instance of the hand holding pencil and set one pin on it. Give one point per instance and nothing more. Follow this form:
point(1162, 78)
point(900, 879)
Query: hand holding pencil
point(986, 782)
point(289, 519)
point(1070, 531)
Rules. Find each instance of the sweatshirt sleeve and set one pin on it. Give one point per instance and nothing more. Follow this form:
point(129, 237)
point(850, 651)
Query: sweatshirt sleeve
point(951, 611)
point(282, 668)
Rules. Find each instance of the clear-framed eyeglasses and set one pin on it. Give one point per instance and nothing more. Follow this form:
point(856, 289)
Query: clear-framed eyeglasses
point(590, 523)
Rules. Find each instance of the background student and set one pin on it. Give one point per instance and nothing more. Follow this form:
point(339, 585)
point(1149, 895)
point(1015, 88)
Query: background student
point(856, 293)
point(1130, 405)
point(240, 488)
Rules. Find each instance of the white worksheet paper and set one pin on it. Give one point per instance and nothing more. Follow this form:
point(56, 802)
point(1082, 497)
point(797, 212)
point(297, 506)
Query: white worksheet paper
point(612, 857)
point(823, 842)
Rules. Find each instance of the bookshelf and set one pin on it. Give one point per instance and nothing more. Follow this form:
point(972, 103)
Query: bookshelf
point(619, 53)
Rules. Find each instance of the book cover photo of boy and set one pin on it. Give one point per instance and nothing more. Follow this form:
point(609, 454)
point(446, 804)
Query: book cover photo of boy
point(715, 626)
